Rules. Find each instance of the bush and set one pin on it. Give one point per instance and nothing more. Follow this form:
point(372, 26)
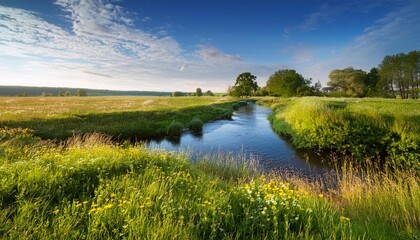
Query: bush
point(196, 125)
point(239, 104)
point(175, 129)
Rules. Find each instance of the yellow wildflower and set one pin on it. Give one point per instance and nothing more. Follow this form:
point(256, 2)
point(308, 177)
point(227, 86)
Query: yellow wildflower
point(109, 206)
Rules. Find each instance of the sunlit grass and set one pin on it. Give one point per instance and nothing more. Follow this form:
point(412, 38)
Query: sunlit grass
point(120, 117)
point(375, 128)
point(89, 188)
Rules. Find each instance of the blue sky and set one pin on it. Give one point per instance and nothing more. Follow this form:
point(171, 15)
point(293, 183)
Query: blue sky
point(168, 45)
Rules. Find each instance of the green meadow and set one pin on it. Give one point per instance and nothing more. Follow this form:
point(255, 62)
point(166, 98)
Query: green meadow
point(63, 175)
point(120, 117)
point(383, 130)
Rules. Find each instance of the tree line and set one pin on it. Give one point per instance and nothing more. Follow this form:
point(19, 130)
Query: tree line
point(283, 83)
point(198, 92)
point(396, 76)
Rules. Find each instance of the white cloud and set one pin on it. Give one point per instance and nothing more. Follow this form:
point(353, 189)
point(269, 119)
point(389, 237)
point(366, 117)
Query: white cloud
point(210, 54)
point(314, 19)
point(104, 50)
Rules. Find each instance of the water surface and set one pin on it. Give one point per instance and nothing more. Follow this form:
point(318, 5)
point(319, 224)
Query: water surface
point(249, 134)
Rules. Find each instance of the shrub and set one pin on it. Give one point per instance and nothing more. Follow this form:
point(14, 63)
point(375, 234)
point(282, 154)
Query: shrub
point(239, 104)
point(196, 125)
point(175, 129)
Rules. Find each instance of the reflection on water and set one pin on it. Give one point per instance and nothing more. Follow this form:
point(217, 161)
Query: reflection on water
point(248, 134)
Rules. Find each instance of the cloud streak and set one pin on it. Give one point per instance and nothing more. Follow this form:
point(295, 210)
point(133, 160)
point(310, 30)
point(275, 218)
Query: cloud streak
point(211, 54)
point(396, 32)
point(103, 45)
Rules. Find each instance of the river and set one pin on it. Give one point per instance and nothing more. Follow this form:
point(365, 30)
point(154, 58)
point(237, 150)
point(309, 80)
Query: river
point(248, 134)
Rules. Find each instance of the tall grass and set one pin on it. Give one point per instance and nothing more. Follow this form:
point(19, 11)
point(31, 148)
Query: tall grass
point(88, 188)
point(363, 128)
point(384, 204)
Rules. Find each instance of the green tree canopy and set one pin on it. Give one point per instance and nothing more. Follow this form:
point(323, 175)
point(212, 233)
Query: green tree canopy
point(287, 83)
point(198, 92)
point(178, 94)
point(209, 93)
point(348, 81)
point(400, 74)
point(81, 93)
point(245, 85)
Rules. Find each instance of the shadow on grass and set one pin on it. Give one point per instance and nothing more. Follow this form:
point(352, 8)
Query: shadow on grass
point(132, 125)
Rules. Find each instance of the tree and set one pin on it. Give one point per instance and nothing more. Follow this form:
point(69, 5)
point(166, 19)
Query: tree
point(348, 81)
point(317, 88)
point(372, 80)
point(287, 83)
point(67, 93)
point(198, 92)
point(209, 93)
point(412, 73)
point(178, 94)
point(81, 93)
point(245, 85)
point(262, 91)
point(400, 74)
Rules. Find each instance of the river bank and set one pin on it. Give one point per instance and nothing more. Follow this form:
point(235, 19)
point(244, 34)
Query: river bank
point(90, 187)
point(382, 130)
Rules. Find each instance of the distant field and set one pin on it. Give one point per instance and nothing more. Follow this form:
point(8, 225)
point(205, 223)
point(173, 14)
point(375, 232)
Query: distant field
point(11, 91)
point(60, 117)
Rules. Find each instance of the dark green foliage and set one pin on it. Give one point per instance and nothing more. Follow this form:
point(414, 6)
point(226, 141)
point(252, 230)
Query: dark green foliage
point(372, 82)
point(37, 91)
point(196, 125)
point(178, 94)
point(175, 129)
point(45, 94)
point(81, 93)
point(209, 93)
point(245, 85)
point(349, 82)
point(198, 92)
point(239, 104)
point(288, 83)
point(400, 75)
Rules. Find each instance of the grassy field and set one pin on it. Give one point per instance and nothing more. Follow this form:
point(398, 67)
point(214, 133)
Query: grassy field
point(88, 188)
point(384, 129)
point(124, 117)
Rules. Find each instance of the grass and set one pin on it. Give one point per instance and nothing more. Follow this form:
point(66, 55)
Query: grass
point(120, 117)
point(196, 125)
point(89, 188)
point(375, 128)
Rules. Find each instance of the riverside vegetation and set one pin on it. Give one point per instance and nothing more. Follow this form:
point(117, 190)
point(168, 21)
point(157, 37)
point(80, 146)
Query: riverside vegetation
point(386, 130)
point(89, 187)
point(120, 117)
